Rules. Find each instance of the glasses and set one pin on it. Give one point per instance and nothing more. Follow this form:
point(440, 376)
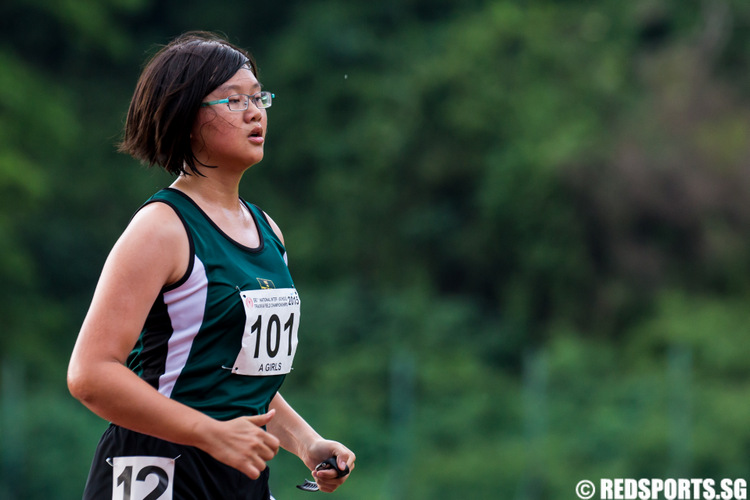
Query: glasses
point(240, 102)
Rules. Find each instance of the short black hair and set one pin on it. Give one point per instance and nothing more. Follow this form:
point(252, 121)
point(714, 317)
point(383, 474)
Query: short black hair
point(169, 93)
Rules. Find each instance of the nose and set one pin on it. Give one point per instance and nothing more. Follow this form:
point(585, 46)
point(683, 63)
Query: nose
point(253, 113)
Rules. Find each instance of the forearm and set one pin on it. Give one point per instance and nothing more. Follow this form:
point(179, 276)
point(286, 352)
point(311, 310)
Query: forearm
point(298, 437)
point(293, 432)
point(115, 393)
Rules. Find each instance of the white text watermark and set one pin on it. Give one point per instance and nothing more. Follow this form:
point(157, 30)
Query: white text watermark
point(663, 489)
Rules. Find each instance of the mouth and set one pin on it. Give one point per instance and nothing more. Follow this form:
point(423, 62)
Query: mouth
point(256, 135)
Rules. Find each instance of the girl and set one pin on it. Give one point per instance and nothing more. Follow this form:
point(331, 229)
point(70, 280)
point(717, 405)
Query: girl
point(193, 324)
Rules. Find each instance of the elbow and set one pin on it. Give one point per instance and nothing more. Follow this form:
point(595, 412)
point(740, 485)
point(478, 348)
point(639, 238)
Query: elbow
point(76, 384)
point(80, 383)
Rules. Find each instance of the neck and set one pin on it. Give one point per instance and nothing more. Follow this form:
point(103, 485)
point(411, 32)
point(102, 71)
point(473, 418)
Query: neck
point(216, 189)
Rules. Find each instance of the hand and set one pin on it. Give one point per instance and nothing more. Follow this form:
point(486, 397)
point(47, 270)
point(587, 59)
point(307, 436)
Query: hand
point(243, 444)
point(320, 450)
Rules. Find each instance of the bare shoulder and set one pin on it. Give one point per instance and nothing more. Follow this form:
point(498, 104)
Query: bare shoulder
point(157, 239)
point(159, 218)
point(275, 227)
point(151, 253)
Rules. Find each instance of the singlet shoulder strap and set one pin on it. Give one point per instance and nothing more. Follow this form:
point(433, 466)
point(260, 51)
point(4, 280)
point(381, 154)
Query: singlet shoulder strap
point(263, 223)
point(171, 198)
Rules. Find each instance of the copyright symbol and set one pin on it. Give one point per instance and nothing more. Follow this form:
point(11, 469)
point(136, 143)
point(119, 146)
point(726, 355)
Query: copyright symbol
point(585, 489)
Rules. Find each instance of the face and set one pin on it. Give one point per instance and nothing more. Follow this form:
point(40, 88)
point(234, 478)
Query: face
point(230, 139)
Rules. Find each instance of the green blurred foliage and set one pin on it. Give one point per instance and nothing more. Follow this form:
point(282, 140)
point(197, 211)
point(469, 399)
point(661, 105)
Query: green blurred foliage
point(519, 229)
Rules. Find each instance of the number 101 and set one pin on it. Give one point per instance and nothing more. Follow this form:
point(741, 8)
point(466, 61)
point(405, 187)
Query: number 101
point(273, 334)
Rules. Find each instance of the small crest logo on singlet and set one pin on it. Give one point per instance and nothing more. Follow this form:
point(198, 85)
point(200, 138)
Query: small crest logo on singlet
point(265, 284)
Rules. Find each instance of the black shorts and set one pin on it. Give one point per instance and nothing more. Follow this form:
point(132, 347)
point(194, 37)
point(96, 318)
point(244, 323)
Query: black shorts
point(149, 468)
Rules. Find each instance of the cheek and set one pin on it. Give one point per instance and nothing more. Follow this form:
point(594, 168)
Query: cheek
point(195, 136)
point(206, 133)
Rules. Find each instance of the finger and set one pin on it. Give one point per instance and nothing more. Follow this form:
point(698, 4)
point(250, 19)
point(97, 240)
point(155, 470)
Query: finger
point(267, 452)
point(345, 460)
point(272, 442)
point(329, 485)
point(261, 420)
point(326, 475)
point(251, 471)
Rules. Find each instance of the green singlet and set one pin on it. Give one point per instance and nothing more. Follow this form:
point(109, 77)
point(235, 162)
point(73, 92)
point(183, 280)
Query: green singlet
point(221, 339)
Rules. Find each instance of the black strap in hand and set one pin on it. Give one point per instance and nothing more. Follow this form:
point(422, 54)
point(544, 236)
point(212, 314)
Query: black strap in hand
point(327, 464)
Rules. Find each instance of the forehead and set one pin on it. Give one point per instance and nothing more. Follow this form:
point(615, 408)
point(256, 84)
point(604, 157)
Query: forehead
point(242, 81)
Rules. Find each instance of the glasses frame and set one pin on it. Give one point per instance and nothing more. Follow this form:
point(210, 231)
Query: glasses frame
point(255, 99)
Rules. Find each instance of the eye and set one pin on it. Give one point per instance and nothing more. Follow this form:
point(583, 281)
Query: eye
point(263, 99)
point(237, 102)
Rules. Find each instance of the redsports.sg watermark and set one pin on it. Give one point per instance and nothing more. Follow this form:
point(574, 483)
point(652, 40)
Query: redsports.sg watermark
point(663, 489)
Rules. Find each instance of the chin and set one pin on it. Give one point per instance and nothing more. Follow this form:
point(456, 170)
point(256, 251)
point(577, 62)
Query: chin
point(254, 161)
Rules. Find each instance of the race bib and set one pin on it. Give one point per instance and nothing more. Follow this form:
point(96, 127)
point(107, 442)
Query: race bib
point(142, 478)
point(270, 338)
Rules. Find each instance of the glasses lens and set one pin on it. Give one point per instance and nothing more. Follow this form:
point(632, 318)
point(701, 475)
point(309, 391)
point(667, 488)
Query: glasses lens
point(237, 102)
point(264, 99)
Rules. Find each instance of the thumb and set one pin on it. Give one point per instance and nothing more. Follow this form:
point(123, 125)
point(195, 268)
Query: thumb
point(261, 420)
point(341, 461)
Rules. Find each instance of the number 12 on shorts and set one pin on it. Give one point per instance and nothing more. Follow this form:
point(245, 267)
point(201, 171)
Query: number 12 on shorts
point(142, 478)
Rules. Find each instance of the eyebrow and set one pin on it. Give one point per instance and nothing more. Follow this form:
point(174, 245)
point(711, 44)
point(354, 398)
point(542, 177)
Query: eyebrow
point(233, 87)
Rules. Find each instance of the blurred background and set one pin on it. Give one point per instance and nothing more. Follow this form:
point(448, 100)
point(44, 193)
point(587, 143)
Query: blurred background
point(520, 231)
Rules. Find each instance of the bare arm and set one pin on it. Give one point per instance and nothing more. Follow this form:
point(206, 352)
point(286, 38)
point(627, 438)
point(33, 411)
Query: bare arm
point(152, 252)
point(275, 227)
point(298, 437)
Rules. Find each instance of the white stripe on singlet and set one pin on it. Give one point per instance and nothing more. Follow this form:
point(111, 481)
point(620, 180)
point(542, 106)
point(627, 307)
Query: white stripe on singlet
point(185, 305)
